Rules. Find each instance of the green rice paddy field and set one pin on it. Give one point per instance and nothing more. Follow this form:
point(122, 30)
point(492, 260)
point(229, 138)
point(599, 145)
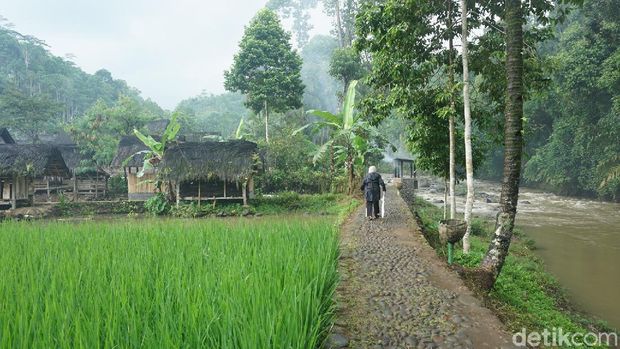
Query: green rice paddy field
point(246, 283)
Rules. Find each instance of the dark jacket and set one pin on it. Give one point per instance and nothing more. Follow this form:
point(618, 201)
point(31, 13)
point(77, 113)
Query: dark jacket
point(372, 186)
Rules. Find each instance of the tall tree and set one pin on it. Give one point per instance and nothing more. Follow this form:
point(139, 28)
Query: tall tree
point(469, 165)
point(346, 66)
point(451, 91)
point(266, 69)
point(513, 145)
point(321, 88)
point(298, 11)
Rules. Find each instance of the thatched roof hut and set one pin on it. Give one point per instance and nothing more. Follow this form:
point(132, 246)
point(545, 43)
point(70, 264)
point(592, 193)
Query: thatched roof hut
point(31, 160)
point(229, 161)
point(129, 152)
point(5, 136)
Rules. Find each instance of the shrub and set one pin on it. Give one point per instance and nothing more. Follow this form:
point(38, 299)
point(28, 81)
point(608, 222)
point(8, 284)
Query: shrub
point(157, 205)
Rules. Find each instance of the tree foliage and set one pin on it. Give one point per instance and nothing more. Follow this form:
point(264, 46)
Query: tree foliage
point(266, 69)
point(40, 77)
point(580, 113)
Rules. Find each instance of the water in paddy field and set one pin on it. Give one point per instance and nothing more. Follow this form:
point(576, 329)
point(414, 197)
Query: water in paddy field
point(579, 240)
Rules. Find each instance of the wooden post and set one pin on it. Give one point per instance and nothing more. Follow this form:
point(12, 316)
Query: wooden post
point(14, 193)
point(199, 193)
point(224, 188)
point(244, 193)
point(97, 184)
point(411, 169)
point(401, 169)
point(178, 193)
point(75, 188)
point(49, 199)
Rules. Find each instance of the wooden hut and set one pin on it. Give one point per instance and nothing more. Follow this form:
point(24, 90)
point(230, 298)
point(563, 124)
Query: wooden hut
point(211, 170)
point(128, 161)
point(85, 181)
point(20, 164)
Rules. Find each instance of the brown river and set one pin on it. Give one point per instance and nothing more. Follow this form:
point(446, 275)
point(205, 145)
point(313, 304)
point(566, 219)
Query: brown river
point(578, 239)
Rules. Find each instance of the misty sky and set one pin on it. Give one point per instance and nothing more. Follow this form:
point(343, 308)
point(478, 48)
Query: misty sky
point(168, 49)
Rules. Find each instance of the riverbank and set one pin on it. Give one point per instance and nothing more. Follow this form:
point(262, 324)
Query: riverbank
point(525, 295)
point(578, 240)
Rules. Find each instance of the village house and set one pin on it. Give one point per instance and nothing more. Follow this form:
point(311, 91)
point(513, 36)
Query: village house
point(196, 171)
point(20, 164)
point(86, 180)
point(211, 170)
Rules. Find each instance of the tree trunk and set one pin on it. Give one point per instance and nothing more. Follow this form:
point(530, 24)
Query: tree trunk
point(266, 123)
point(494, 259)
point(350, 175)
point(451, 118)
point(445, 198)
point(339, 25)
point(469, 164)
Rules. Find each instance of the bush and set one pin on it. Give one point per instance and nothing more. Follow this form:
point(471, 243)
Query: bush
point(193, 210)
point(305, 181)
point(157, 205)
point(117, 185)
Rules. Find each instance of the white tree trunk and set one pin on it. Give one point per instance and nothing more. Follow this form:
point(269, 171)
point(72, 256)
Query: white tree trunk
point(266, 123)
point(445, 198)
point(451, 126)
point(469, 163)
point(452, 169)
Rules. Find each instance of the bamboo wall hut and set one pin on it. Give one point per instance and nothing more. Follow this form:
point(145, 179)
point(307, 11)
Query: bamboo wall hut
point(86, 181)
point(128, 161)
point(211, 170)
point(20, 164)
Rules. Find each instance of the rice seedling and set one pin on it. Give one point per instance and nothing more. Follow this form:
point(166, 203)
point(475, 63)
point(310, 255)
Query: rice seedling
point(247, 283)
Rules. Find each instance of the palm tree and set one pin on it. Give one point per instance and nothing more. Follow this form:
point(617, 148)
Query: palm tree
point(349, 136)
point(495, 257)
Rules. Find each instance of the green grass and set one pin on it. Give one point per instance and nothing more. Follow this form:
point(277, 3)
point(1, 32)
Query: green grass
point(170, 283)
point(525, 295)
point(286, 202)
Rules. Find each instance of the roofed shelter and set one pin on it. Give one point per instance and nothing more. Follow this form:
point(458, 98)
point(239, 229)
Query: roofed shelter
point(86, 181)
point(20, 164)
point(211, 170)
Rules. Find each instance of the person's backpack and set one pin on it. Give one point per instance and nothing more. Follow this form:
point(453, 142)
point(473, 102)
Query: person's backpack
point(375, 183)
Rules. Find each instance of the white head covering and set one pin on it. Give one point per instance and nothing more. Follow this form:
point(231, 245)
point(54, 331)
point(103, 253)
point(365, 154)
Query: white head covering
point(372, 169)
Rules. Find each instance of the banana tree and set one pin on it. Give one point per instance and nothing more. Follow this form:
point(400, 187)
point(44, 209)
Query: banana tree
point(155, 153)
point(349, 137)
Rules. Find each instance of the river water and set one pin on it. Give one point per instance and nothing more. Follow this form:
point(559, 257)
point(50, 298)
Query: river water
point(578, 239)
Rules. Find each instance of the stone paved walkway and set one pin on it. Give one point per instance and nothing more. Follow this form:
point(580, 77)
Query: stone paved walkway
point(396, 293)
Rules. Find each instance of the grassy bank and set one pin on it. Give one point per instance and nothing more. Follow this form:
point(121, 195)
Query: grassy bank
point(263, 282)
point(282, 203)
point(525, 295)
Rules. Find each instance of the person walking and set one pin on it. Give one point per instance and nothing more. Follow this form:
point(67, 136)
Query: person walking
point(372, 185)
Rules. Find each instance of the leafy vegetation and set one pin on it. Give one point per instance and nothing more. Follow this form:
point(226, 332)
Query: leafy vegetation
point(352, 138)
point(578, 117)
point(157, 205)
point(218, 284)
